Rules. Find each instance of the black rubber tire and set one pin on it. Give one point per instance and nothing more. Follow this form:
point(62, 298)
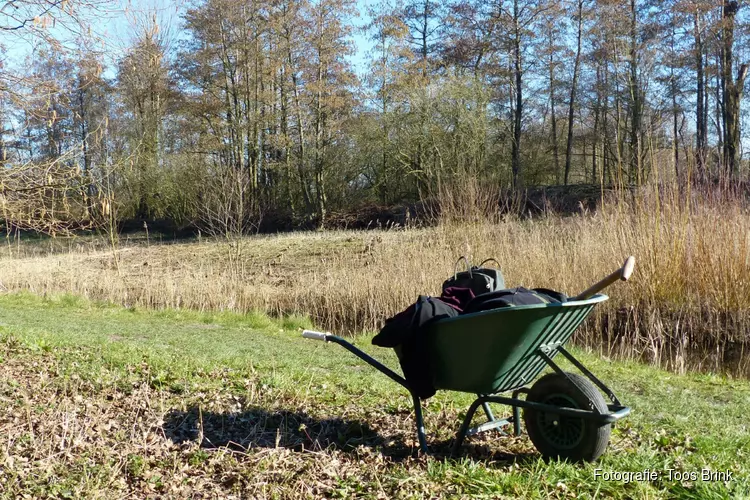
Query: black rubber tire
point(567, 438)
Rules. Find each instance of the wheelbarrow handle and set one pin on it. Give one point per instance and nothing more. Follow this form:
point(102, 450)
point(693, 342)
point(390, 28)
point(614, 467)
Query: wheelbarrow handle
point(328, 337)
point(622, 274)
point(311, 334)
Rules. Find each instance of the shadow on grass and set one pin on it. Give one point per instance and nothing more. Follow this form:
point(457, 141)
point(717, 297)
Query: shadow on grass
point(260, 428)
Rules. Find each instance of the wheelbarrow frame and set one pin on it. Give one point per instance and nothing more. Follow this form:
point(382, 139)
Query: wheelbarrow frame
point(561, 320)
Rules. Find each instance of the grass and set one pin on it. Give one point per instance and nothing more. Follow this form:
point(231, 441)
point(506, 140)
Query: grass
point(103, 401)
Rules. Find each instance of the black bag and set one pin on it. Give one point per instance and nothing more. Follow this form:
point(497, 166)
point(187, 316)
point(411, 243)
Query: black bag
point(510, 297)
point(476, 278)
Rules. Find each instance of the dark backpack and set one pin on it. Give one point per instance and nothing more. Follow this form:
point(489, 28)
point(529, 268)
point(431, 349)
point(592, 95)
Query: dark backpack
point(476, 278)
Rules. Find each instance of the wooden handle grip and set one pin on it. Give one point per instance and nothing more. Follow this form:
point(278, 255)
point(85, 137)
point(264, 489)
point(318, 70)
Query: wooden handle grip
point(622, 274)
point(627, 268)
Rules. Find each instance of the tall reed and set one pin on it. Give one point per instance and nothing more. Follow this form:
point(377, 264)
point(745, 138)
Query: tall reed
point(690, 291)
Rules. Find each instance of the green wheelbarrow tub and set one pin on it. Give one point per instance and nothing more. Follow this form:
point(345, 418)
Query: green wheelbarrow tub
point(495, 351)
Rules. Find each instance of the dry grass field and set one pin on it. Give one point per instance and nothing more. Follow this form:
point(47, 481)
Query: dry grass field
point(689, 294)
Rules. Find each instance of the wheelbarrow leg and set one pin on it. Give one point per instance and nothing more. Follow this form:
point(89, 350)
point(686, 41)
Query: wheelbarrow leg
point(516, 421)
point(461, 435)
point(420, 424)
point(487, 410)
point(517, 411)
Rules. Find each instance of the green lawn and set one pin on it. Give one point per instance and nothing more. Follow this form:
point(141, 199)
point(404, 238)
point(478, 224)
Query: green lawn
point(102, 401)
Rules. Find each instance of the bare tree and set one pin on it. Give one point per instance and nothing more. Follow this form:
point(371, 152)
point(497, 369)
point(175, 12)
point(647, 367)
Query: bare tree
point(574, 86)
point(732, 87)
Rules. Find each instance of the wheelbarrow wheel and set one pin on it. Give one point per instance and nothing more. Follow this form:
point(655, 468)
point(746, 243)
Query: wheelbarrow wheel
point(558, 436)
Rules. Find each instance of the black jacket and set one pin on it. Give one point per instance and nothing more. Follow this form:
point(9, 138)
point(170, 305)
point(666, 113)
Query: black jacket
point(405, 329)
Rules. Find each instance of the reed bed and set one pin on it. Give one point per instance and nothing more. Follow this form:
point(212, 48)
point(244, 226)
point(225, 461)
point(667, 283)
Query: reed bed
point(687, 306)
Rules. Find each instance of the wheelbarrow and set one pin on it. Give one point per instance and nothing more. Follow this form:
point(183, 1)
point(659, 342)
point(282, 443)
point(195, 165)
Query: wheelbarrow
point(497, 354)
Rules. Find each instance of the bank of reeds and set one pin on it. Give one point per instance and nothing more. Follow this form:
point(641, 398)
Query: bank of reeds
point(690, 292)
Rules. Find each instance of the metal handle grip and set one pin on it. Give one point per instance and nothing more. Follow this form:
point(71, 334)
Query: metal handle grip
point(310, 334)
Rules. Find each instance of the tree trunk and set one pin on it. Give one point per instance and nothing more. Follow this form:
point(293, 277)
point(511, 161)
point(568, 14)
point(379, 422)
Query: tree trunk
point(573, 88)
point(606, 143)
point(284, 124)
point(675, 110)
point(675, 130)
point(597, 112)
point(302, 149)
point(88, 189)
point(635, 101)
point(732, 89)
point(320, 130)
point(719, 113)
point(425, 26)
point(701, 131)
point(518, 105)
point(555, 145)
